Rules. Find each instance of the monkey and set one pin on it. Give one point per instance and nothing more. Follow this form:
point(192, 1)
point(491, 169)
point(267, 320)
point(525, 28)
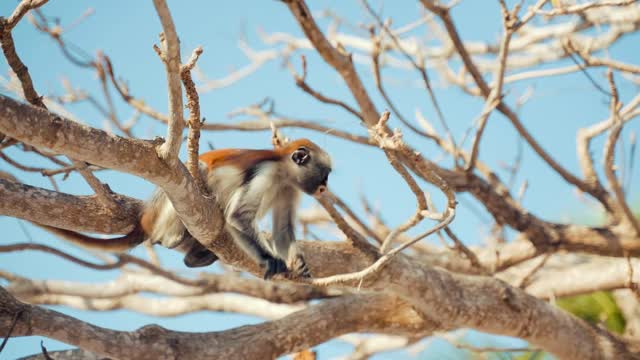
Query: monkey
point(246, 183)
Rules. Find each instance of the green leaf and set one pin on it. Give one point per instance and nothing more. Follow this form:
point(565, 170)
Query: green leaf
point(598, 307)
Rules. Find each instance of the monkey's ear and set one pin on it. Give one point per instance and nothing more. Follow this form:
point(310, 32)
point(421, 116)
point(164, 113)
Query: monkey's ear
point(301, 156)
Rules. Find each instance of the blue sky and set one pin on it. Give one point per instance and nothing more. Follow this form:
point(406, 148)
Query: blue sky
point(126, 30)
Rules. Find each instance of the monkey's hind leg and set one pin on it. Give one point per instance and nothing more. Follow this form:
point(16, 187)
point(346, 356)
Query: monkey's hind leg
point(199, 256)
point(196, 255)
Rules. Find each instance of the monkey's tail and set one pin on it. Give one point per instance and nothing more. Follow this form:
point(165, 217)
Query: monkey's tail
point(117, 244)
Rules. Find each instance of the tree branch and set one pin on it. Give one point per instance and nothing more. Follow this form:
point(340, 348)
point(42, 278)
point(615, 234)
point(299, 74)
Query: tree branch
point(295, 332)
point(80, 213)
point(170, 149)
point(338, 59)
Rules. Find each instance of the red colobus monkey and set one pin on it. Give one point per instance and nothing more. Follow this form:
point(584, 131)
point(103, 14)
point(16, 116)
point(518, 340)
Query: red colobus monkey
point(247, 184)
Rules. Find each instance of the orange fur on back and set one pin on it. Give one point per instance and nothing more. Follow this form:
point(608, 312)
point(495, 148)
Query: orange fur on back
point(240, 158)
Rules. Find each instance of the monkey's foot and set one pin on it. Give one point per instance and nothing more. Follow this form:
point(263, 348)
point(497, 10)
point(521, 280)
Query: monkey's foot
point(199, 256)
point(299, 268)
point(274, 266)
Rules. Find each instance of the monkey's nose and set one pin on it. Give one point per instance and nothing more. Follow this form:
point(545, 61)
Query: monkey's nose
point(320, 190)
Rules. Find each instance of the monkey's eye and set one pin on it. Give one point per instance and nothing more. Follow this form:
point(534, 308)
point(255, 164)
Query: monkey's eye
point(301, 156)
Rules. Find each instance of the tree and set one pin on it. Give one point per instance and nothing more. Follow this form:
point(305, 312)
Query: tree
point(378, 278)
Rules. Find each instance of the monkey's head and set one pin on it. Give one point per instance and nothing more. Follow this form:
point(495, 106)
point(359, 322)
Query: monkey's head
point(310, 166)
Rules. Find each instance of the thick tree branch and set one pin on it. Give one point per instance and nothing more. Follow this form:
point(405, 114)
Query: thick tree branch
point(80, 213)
point(43, 129)
point(298, 331)
point(449, 300)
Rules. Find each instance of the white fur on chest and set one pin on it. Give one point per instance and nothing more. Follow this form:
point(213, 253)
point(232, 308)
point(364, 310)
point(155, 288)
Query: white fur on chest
point(261, 192)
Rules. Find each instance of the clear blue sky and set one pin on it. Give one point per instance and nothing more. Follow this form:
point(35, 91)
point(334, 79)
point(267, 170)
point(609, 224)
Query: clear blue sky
point(125, 30)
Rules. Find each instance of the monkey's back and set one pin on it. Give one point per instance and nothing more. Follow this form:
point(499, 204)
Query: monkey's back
point(239, 158)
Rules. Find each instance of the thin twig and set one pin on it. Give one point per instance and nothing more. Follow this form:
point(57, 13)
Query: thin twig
point(193, 103)
point(45, 353)
point(302, 84)
point(586, 135)
point(380, 135)
point(356, 239)
point(581, 8)
point(509, 20)
point(137, 104)
point(570, 53)
point(443, 13)
point(122, 260)
point(526, 279)
point(613, 64)
point(341, 204)
point(17, 165)
point(421, 68)
point(105, 195)
point(111, 114)
point(337, 57)
point(609, 155)
point(14, 321)
point(384, 259)
point(420, 200)
point(264, 119)
point(464, 250)
point(375, 59)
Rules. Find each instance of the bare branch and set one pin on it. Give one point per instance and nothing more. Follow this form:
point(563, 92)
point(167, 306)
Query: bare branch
point(103, 192)
point(509, 21)
point(421, 68)
point(302, 84)
point(444, 15)
point(384, 259)
point(81, 213)
point(354, 237)
point(171, 52)
point(21, 10)
point(599, 274)
point(193, 103)
point(129, 283)
point(264, 119)
point(375, 58)
point(18, 67)
point(581, 8)
point(609, 154)
point(171, 306)
point(301, 330)
point(137, 104)
point(338, 59)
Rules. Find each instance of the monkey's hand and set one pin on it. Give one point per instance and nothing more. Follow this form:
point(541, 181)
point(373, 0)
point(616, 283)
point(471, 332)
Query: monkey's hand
point(299, 268)
point(274, 266)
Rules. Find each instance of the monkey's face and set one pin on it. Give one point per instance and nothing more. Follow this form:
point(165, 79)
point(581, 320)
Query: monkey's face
point(311, 168)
